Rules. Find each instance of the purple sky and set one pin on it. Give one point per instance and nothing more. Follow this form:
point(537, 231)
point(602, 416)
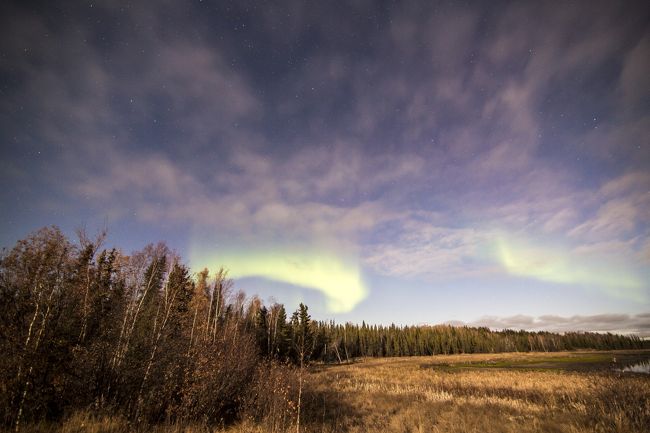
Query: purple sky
point(407, 162)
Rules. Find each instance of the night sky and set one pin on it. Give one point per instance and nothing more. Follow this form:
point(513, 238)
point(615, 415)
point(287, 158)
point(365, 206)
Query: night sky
point(409, 162)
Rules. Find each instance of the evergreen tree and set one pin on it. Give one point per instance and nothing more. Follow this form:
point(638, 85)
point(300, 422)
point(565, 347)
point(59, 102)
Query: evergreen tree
point(262, 331)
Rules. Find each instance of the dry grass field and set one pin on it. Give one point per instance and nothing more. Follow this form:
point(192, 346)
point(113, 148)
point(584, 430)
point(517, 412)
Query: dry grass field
point(571, 392)
point(554, 392)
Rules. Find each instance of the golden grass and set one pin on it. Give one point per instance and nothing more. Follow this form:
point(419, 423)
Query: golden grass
point(424, 394)
point(454, 394)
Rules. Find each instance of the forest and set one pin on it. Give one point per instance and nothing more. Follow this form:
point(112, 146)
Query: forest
point(86, 327)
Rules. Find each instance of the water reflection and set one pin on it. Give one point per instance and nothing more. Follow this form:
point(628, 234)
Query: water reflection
point(640, 367)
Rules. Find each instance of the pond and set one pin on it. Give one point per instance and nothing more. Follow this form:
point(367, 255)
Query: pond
point(639, 367)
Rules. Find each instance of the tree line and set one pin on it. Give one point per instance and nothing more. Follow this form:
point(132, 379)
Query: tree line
point(343, 342)
point(89, 328)
point(332, 342)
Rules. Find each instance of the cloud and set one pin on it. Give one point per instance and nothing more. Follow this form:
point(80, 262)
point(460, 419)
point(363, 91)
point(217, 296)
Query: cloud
point(634, 76)
point(424, 250)
point(406, 142)
point(622, 210)
point(251, 194)
point(638, 324)
point(615, 217)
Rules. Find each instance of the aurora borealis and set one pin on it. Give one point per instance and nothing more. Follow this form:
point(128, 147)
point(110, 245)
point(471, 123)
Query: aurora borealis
point(557, 265)
point(338, 279)
point(407, 162)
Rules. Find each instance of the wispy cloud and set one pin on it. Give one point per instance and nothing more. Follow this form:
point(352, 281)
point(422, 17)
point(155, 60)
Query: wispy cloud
point(411, 149)
point(638, 324)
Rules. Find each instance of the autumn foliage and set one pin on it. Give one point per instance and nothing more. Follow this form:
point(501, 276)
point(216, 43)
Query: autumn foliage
point(130, 334)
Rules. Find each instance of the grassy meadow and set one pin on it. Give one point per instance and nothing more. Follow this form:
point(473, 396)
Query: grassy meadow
point(513, 392)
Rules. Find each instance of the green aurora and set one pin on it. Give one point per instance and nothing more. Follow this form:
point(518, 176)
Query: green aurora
point(338, 278)
point(560, 265)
